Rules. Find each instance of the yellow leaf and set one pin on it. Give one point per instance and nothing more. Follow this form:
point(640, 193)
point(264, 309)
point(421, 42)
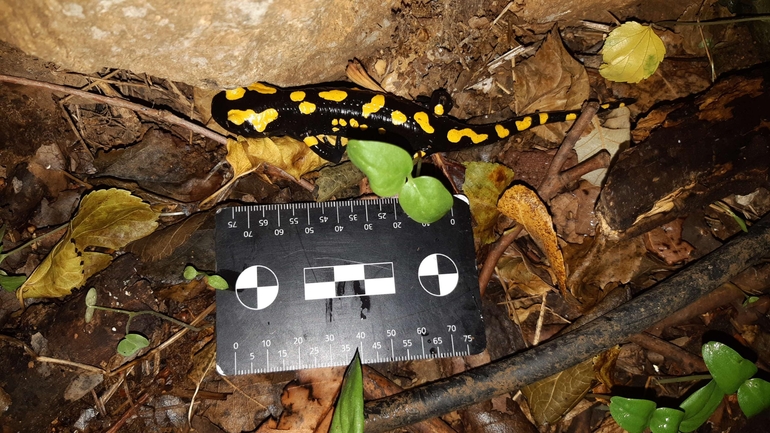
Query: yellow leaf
point(292, 156)
point(111, 219)
point(107, 219)
point(57, 274)
point(631, 53)
point(524, 206)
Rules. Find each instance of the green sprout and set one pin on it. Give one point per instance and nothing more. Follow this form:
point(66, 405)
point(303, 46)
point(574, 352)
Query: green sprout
point(212, 280)
point(132, 342)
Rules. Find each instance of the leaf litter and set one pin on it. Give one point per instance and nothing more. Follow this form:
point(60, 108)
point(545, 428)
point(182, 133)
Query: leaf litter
point(565, 229)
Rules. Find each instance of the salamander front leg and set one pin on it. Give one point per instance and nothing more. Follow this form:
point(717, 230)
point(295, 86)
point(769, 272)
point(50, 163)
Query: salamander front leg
point(328, 148)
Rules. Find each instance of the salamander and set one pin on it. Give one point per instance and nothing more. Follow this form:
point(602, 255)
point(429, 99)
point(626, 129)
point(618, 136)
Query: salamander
point(323, 117)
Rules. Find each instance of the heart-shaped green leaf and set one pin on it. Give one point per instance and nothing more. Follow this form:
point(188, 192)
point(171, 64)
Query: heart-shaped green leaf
point(132, 343)
point(666, 420)
point(727, 367)
point(190, 273)
point(632, 414)
point(754, 396)
point(387, 166)
point(349, 413)
point(699, 406)
point(425, 199)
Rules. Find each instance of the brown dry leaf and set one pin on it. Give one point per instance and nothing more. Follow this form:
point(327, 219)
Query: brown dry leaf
point(609, 262)
point(484, 182)
point(516, 272)
point(524, 206)
point(574, 215)
point(163, 242)
point(308, 404)
point(604, 366)
point(107, 219)
point(615, 131)
point(667, 244)
point(548, 81)
point(552, 397)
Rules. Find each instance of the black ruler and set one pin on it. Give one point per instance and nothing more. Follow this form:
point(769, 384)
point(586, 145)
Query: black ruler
point(312, 282)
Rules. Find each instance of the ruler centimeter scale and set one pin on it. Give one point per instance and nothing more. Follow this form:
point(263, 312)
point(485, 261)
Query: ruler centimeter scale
point(311, 283)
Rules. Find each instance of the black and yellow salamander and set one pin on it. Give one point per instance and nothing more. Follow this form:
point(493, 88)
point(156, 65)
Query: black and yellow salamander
point(313, 114)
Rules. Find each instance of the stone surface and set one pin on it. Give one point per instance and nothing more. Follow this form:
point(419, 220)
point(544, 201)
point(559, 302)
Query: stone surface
point(213, 44)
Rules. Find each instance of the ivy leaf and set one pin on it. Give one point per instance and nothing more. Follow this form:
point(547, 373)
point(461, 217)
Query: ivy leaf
point(132, 343)
point(699, 406)
point(631, 53)
point(728, 368)
point(349, 414)
point(425, 199)
point(387, 166)
point(107, 219)
point(632, 414)
point(754, 396)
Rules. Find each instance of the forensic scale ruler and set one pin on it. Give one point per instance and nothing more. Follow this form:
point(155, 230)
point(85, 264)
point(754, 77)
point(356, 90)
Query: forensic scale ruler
point(312, 282)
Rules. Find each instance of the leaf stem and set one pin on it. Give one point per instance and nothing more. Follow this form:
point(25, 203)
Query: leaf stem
point(30, 242)
point(692, 378)
point(132, 314)
point(764, 17)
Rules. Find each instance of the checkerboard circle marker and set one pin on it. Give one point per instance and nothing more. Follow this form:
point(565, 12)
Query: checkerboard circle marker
point(438, 274)
point(256, 287)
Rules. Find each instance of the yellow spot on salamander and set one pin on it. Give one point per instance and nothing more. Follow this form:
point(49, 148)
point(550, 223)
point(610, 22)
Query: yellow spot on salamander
point(543, 118)
point(234, 94)
point(343, 140)
point(397, 117)
point(354, 123)
point(335, 129)
point(333, 95)
point(343, 122)
point(364, 126)
point(524, 123)
point(381, 130)
point(297, 96)
point(605, 106)
point(378, 101)
point(310, 141)
point(258, 120)
point(454, 136)
point(335, 122)
point(421, 154)
point(438, 110)
point(423, 120)
point(306, 107)
point(262, 88)
point(570, 116)
point(502, 131)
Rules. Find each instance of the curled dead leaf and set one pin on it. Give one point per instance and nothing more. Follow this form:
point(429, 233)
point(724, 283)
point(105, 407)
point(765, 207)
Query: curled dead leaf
point(524, 206)
point(107, 219)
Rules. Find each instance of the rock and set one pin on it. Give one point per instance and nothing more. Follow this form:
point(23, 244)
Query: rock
point(214, 44)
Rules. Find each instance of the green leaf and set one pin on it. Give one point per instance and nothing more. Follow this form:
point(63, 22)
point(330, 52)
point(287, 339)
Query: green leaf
point(90, 302)
point(132, 343)
point(11, 282)
point(190, 273)
point(484, 182)
point(754, 396)
point(632, 414)
point(699, 406)
point(631, 53)
point(217, 282)
point(727, 367)
point(387, 166)
point(666, 420)
point(425, 199)
point(349, 413)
